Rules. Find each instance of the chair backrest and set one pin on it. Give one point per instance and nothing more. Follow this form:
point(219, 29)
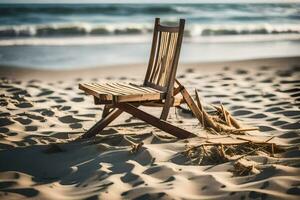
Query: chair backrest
point(164, 56)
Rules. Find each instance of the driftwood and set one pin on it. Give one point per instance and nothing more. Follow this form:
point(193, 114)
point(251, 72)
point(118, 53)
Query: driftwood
point(222, 122)
point(210, 153)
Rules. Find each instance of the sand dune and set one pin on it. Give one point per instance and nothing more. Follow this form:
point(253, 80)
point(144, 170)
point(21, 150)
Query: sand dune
point(40, 117)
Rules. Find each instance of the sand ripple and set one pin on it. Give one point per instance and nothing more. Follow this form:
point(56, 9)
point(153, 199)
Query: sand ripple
point(38, 120)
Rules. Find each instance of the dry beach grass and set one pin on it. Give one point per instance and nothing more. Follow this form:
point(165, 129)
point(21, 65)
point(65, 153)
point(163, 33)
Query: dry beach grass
point(42, 112)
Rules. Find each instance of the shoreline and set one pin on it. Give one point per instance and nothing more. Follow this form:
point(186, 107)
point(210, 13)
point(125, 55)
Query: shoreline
point(139, 69)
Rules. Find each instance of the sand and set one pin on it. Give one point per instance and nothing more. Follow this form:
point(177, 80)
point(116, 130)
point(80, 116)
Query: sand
point(42, 112)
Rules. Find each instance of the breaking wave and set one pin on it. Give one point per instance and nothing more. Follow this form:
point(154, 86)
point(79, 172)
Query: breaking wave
point(81, 29)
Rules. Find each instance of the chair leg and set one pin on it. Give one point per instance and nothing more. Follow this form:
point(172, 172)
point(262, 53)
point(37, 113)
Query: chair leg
point(99, 126)
point(165, 112)
point(169, 102)
point(166, 108)
point(106, 110)
point(161, 124)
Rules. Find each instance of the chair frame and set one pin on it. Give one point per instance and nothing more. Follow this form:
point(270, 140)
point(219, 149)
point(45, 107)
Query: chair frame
point(171, 88)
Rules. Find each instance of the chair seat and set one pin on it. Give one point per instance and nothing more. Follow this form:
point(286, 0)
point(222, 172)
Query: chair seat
point(121, 92)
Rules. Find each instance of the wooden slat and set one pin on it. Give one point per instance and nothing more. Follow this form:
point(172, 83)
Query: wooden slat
point(171, 29)
point(164, 65)
point(129, 93)
point(161, 58)
point(134, 87)
point(153, 50)
point(143, 89)
point(158, 87)
point(157, 56)
point(123, 91)
point(95, 93)
point(105, 87)
point(171, 59)
point(139, 97)
point(164, 61)
point(126, 86)
point(101, 90)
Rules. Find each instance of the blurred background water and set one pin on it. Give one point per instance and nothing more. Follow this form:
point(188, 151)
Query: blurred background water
point(66, 36)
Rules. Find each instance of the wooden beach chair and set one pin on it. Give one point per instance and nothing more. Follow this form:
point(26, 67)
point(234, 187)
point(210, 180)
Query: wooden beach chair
point(159, 88)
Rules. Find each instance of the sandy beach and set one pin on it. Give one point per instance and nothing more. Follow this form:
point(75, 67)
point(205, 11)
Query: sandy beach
point(42, 112)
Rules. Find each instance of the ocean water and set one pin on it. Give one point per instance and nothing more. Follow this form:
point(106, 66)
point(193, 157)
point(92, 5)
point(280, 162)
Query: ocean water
point(66, 36)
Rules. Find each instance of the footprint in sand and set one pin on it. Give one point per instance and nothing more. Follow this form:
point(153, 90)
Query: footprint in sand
point(63, 108)
point(4, 121)
point(23, 120)
point(295, 126)
point(284, 73)
point(257, 195)
point(32, 116)
point(265, 128)
point(294, 191)
point(189, 70)
point(279, 123)
point(290, 81)
point(69, 119)
point(77, 99)
point(24, 105)
point(60, 100)
point(258, 116)
point(264, 68)
point(4, 114)
point(17, 91)
point(241, 72)
point(31, 128)
point(130, 178)
point(4, 130)
point(57, 99)
point(273, 109)
point(3, 102)
point(265, 185)
point(241, 112)
point(11, 134)
point(45, 112)
point(25, 192)
point(68, 88)
point(290, 113)
point(75, 125)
